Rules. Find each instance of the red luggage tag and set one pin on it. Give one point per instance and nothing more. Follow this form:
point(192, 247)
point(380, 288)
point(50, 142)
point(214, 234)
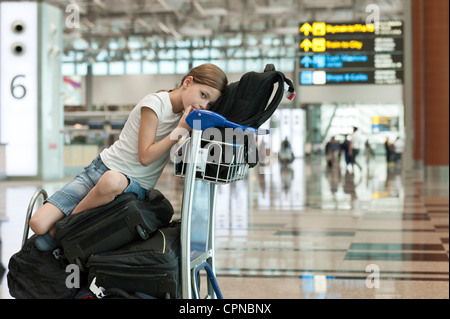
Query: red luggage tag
point(290, 93)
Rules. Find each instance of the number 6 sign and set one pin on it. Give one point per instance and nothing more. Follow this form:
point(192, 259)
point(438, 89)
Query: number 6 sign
point(19, 87)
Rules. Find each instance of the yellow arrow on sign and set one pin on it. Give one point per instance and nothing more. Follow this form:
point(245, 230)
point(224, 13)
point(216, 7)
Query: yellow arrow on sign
point(306, 28)
point(306, 45)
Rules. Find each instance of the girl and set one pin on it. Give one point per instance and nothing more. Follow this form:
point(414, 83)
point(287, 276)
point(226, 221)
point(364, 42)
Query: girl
point(134, 162)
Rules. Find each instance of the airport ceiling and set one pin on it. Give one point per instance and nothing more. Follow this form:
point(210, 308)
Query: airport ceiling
point(230, 25)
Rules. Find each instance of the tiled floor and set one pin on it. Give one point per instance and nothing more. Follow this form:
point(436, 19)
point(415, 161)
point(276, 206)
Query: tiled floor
point(308, 232)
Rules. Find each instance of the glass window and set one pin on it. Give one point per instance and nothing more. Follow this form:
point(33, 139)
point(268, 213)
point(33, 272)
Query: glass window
point(149, 54)
point(102, 55)
point(149, 67)
point(238, 52)
point(215, 53)
point(234, 42)
point(135, 55)
point(167, 67)
point(80, 44)
point(167, 54)
point(200, 54)
point(81, 68)
point(252, 53)
point(286, 65)
point(221, 64)
point(68, 69)
point(134, 42)
point(117, 68)
point(182, 67)
point(183, 44)
point(253, 65)
point(195, 43)
point(183, 54)
point(267, 40)
point(196, 63)
point(68, 58)
point(217, 42)
point(113, 45)
point(235, 65)
point(79, 56)
point(100, 68)
point(133, 67)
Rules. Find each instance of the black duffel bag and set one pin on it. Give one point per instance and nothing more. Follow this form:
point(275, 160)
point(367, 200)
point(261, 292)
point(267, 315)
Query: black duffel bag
point(35, 274)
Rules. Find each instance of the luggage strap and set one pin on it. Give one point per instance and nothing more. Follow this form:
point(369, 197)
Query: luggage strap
point(97, 291)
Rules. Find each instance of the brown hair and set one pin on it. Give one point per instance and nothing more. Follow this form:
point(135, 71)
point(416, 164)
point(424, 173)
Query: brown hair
point(210, 75)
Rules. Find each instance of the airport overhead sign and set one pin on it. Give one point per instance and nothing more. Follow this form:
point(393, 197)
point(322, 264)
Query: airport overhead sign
point(351, 53)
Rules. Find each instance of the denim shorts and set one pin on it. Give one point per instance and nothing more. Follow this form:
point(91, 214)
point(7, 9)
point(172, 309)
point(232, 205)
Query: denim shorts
point(68, 197)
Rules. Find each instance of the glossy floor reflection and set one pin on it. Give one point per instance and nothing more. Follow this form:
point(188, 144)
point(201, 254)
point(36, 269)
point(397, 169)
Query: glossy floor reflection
point(305, 231)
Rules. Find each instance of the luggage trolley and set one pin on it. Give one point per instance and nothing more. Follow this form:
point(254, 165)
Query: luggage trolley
point(203, 172)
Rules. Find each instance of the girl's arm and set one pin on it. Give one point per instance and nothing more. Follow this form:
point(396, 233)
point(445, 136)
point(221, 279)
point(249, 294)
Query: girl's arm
point(148, 150)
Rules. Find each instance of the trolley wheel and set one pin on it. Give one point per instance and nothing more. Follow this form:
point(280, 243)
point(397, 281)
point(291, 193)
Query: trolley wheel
point(142, 232)
point(80, 264)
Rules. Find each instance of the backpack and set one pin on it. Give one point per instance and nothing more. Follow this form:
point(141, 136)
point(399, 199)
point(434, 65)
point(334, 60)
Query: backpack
point(246, 102)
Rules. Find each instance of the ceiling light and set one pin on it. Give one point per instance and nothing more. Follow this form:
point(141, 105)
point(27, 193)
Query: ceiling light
point(163, 27)
point(272, 10)
point(196, 32)
point(210, 11)
point(100, 4)
point(143, 23)
point(199, 8)
point(286, 30)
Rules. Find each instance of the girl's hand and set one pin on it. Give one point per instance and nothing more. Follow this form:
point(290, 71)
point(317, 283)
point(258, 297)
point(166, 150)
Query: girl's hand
point(183, 123)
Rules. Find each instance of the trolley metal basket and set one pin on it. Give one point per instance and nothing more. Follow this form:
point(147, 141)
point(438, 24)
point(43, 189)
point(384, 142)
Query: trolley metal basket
point(211, 167)
point(204, 164)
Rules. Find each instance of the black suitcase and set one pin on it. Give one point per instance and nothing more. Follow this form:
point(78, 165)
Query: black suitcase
point(111, 226)
point(151, 267)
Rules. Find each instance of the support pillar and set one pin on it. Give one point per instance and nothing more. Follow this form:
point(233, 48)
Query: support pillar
point(31, 108)
point(431, 82)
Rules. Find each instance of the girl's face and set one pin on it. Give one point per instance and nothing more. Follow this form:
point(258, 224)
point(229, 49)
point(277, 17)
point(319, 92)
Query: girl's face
point(199, 96)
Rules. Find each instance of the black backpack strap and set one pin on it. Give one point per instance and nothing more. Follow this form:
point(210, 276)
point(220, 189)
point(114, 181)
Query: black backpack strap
point(258, 119)
point(226, 100)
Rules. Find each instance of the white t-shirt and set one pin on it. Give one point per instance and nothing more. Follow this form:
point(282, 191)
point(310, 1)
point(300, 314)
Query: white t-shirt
point(122, 156)
point(357, 140)
point(399, 146)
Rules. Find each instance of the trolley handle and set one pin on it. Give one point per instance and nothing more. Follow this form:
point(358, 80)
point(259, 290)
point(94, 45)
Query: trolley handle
point(204, 119)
